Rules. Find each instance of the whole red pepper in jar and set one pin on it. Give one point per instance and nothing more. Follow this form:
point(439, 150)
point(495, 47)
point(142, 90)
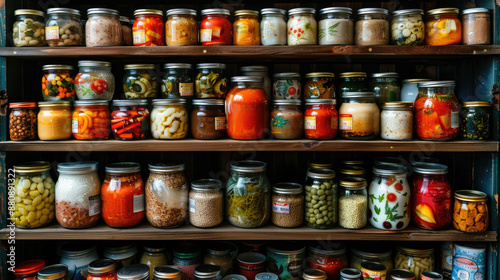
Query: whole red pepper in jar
point(148, 29)
point(216, 28)
point(330, 258)
point(321, 119)
point(130, 119)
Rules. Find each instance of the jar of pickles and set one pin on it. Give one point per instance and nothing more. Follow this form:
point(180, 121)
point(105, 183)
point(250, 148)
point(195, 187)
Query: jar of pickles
point(287, 86)
point(476, 120)
point(29, 28)
point(273, 27)
point(359, 116)
point(54, 120)
point(208, 119)
point(246, 28)
point(181, 27)
point(153, 256)
point(248, 194)
point(443, 27)
point(22, 121)
point(95, 80)
point(53, 272)
point(91, 120)
point(211, 80)
point(329, 257)
point(386, 87)
point(28, 270)
point(169, 119)
point(215, 27)
point(63, 27)
point(476, 26)
point(336, 26)
point(287, 119)
point(103, 28)
point(206, 203)
point(470, 211)
point(178, 81)
point(372, 27)
point(302, 27)
point(414, 259)
point(351, 82)
point(57, 83)
point(370, 252)
point(353, 203)
point(407, 27)
point(396, 121)
point(139, 81)
point(148, 28)
point(130, 119)
point(320, 119)
point(102, 269)
point(319, 85)
point(321, 199)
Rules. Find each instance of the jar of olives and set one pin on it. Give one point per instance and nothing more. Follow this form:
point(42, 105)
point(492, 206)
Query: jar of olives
point(321, 198)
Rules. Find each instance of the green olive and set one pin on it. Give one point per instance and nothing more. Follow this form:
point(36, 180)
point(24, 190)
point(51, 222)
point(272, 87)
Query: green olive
point(308, 189)
point(314, 191)
point(325, 213)
point(312, 220)
point(308, 198)
point(321, 192)
point(316, 206)
point(310, 210)
point(320, 222)
point(329, 198)
point(323, 197)
point(323, 187)
point(309, 205)
point(322, 208)
point(314, 202)
point(315, 197)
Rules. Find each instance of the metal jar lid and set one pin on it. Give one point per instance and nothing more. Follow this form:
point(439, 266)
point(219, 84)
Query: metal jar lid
point(469, 104)
point(314, 274)
point(352, 170)
point(134, 272)
point(321, 173)
point(266, 276)
point(389, 160)
point(399, 105)
point(401, 274)
point(352, 162)
point(68, 11)
point(53, 272)
point(124, 19)
point(345, 10)
point(22, 105)
point(434, 84)
point(246, 13)
point(408, 12)
point(32, 167)
point(130, 102)
point(77, 249)
point(173, 166)
point(167, 272)
point(206, 185)
point(415, 81)
point(350, 273)
point(321, 102)
point(272, 11)
point(286, 248)
point(123, 167)
point(218, 249)
point(29, 12)
point(57, 67)
point(207, 271)
point(320, 74)
point(91, 103)
point(140, 12)
point(120, 251)
point(385, 75)
point(247, 79)
point(353, 75)
point(77, 167)
point(139, 66)
point(475, 10)
point(353, 183)
point(95, 11)
point(29, 267)
point(471, 195)
point(215, 12)
point(358, 95)
point(186, 250)
point(169, 101)
point(443, 11)
point(174, 12)
point(210, 66)
point(287, 188)
point(390, 169)
point(234, 277)
point(208, 102)
point(93, 63)
point(416, 252)
point(296, 11)
point(177, 66)
point(249, 166)
point(101, 266)
point(291, 102)
point(319, 164)
point(430, 168)
point(290, 75)
point(49, 104)
point(369, 11)
point(328, 248)
point(152, 248)
point(254, 69)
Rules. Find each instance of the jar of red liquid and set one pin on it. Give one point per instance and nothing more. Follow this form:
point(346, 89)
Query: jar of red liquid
point(122, 195)
point(431, 196)
point(321, 119)
point(148, 29)
point(329, 257)
point(215, 27)
point(91, 120)
point(102, 269)
point(247, 111)
point(27, 270)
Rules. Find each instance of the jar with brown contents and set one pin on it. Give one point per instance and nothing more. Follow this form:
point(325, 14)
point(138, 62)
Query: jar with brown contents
point(476, 26)
point(208, 120)
point(288, 205)
point(470, 211)
point(22, 121)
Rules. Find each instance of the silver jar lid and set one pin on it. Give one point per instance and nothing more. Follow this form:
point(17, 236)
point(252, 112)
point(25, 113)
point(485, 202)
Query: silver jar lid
point(177, 66)
point(134, 272)
point(215, 12)
point(174, 12)
point(358, 95)
point(350, 273)
point(120, 251)
point(397, 105)
point(68, 11)
point(91, 103)
point(287, 188)
point(130, 102)
point(173, 166)
point(272, 11)
point(57, 67)
point(408, 12)
point(151, 249)
point(254, 69)
point(430, 168)
point(210, 66)
point(247, 79)
point(95, 11)
point(206, 185)
point(169, 101)
point(321, 173)
point(249, 166)
point(296, 102)
point(139, 66)
point(435, 84)
point(53, 272)
point(207, 271)
point(167, 272)
point(123, 167)
point(369, 11)
point(124, 19)
point(296, 11)
point(266, 276)
point(208, 102)
point(475, 10)
point(314, 274)
point(321, 102)
point(401, 274)
point(385, 75)
point(148, 12)
point(345, 10)
point(390, 169)
point(101, 266)
point(77, 167)
point(90, 63)
point(291, 75)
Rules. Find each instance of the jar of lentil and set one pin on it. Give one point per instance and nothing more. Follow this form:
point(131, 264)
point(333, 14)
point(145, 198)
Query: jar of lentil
point(28, 270)
point(287, 119)
point(102, 269)
point(470, 211)
point(302, 27)
point(103, 28)
point(386, 87)
point(134, 272)
point(246, 28)
point(127, 34)
point(55, 271)
point(63, 27)
point(359, 116)
point(130, 119)
point(372, 27)
point(287, 86)
point(320, 119)
point(476, 120)
point(57, 83)
point(353, 203)
point(206, 203)
point(414, 259)
point(54, 120)
point(314, 274)
point(370, 252)
point(208, 119)
point(95, 80)
point(22, 121)
point(167, 272)
point(178, 81)
point(207, 272)
point(321, 199)
point(288, 205)
point(139, 81)
point(153, 256)
point(329, 257)
point(211, 80)
point(407, 28)
point(396, 121)
point(273, 27)
point(218, 254)
point(215, 27)
point(91, 120)
point(148, 29)
point(351, 82)
point(349, 171)
point(409, 90)
point(29, 28)
point(187, 258)
point(177, 125)
point(181, 27)
point(319, 85)
point(260, 71)
point(336, 26)
point(476, 26)
point(443, 27)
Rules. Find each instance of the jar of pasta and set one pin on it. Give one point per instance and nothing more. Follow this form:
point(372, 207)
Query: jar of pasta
point(54, 120)
point(407, 27)
point(321, 119)
point(246, 28)
point(148, 28)
point(476, 26)
point(57, 83)
point(273, 27)
point(211, 81)
point(181, 27)
point(302, 27)
point(22, 121)
point(169, 119)
point(287, 119)
point(396, 121)
point(91, 120)
point(215, 27)
point(94, 80)
point(443, 27)
point(372, 27)
point(130, 119)
point(386, 87)
point(178, 81)
point(208, 119)
point(470, 211)
point(29, 28)
point(321, 199)
point(139, 81)
point(63, 27)
point(359, 116)
point(127, 34)
point(414, 259)
point(336, 26)
point(103, 28)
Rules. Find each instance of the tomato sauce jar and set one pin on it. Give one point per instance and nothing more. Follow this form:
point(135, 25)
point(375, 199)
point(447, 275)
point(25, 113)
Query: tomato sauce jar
point(27, 270)
point(331, 258)
point(91, 120)
point(148, 29)
point(321, 119)
point(215, 27)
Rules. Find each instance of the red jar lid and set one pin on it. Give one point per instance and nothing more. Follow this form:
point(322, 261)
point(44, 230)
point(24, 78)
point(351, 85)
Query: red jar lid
point(23, 105)
point(29, 267)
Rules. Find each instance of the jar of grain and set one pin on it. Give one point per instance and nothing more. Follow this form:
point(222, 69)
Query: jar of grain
point(396, 121)
point(336, 26)
point(372, 27)
point(353, 203)
point(288, 205)
point(476, 27)
point(206, 203)
point(219, 254)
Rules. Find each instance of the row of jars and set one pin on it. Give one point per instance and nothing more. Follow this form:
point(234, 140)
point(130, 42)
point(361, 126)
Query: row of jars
point(335, 27)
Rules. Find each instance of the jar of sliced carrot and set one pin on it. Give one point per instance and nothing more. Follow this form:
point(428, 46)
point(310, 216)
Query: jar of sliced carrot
point(246, 28)
point(443, 27)
point(91, 120)
point(57, 83)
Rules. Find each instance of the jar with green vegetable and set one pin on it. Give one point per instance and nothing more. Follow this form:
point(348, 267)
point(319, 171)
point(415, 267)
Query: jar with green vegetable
point(321, 199)
point(57, 83)
point(29, 28)
point(476, 120)
point(178, 81)
point(139, 81)
point(211, 81)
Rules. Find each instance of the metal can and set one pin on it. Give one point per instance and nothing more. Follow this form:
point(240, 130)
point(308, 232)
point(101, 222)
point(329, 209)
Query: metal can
point(401, 274)
point(250, 264)
point(285, 259)
point(266, 276)
point(350, 274)
point(447, 259)
point(373, 270)
point(429, 275)
point(469, 261)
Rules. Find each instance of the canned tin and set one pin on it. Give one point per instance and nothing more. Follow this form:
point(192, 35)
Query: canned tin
point(447, 259)
point(401, 274)
point(266, 276)
point(350, 274)
point(373, 270)
point(285, 259)
point(469, 261)
point(250, 264)
point(429, 275)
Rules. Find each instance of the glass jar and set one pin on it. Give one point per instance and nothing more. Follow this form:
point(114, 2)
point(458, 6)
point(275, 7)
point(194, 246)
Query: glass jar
point(287, 86)
point(22, 121)
point(302, 27)
point(409, 90)
point(443, 27)
point(130, 119)
point(476, 26)
point(273, 27)
point(103, 28)
point(181, 27)
point(248, 194)
point(91, 120)
point(211, 81)
point(470, 211)
point(319, 85)
point(407, 28)
point(206, 203)
point(321, 199)
point(148, 29)
point(165, 110)
point(208, 119)
point(359, 116)
point(353, 203)
point(123, 253)
point(57, 83)
point(370, 252)
point(389, 194)
point(314, 274)
point(127, 34)
point(77, 256)
point(396, 121)
point(78, 194)
point(28, 270)
point(29, 28)
point(178, 81)
point(346, 171)
point(476, 119)
point(260, 71)
point(288, 205)
point(54, 120)
point(247, 110)
point(139, 81)
point(134, 272)
point(350, 274)
point(218, 254)
point(187, 257)
point(154, 257)
point(246, 28)
point(329, 257)
point(95, 80)
point(436, 111)
point(167, 195)
point(321, 119)
point(215, 27)
point(53, 272)
point(63, 27)
point(372, 27)
point(167, 272)
point(351, 82)
point(102, 269)
point(386, 87)
point(414, 259)
point(336, 26)
point(122, 195)
point(287, 119)
point(207, 272)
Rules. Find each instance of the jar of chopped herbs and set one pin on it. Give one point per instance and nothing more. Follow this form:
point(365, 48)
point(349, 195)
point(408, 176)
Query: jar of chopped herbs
point(476, 120)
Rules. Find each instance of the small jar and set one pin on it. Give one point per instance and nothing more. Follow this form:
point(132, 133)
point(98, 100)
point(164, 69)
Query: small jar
point(29, 28)
point(91, 120)
point(103, 28)
point(280, 254)
point(287, 86)
point(102, 269)
point(470, 211)
point(330, 258)
point(246, 28)
point(181, 27)
point(287, 119)
point(207, 272)
point(407, 28)
point(187, 257)
point(53, 272)
point(336, 26)
point(139, 81)
point(28, 270)
point(57, 83)
point(359, 116)
point(260, 71)
point(178, 81)
point(122, 195)
point(273, 27)
point(153, 257)
point(321, 199)
point(148, 28)
point(127, 34)
point(123, 253)
point(350, 274)
point(162, 110)
point(95, 80)
point(211, 80)
point(219, 254)
point(319, 85)
point(372, 27)
point(414, 259)
point(476, 120)
point(130, 119)
point(314, 274)
point(443, 27)
point(22, 121)
point(134, 272)
point(63, 27)
point(409, 90)
point(206, 203)
point(215, 27)
point(208, 119)
point(476, 26)
point(288, 205)
point(386, 87)
point(167, 272)
point(302, 27)
point(351, 82)
point(353, 203)
point(396, 121)
point(54, 120)
point(346, 171)
point(370, 252)
point(321, 119)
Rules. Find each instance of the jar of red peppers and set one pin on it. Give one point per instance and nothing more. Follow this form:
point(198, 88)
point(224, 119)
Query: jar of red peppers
point(27, 270)
point(321, 119)
point(22, 121)
point(130, 119)
point(148, 28)
point(431, 196)
point(91, 120)
point(102, 269)
point(122, 195)
point(215, 27)
point(329, 257)
point(181, 27)
point(436, 111)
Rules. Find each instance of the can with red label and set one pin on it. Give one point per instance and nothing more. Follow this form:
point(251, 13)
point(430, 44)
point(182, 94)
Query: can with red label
point(288, 205)
point(250, 264)
point(469, 261)
point(429, 275)
point(373, 271)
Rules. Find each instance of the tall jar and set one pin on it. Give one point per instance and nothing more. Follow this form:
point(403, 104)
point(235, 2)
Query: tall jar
point(187, 257)
point(95, 80)
point(287, 86)
point(372, 27)
point(215, 27)
point(396, 121)
point(181, 27)
point(211, 80)
point(353, 203)
point(321, 119)
point(476, 26)
point(389, 195)
point(359, 116)
point(178, 81)
point(443, 27)
point(28, 270)
point(127, 35)
point(414, 259)
point(167, 195)
point(206, 203)
point(122, 195)
point(247, 110)
point(273, 27)
point(167, 272)
point(248, 194)
point(260, 71)
point(173, 110)
point(351, 82)
point(91, 120)
point(22, 121)
point(407, 28)
point(153, 256)
point(103, 28)
point(54, 120)
point(29, 28)
point(55, 271)
point(287, 119)
point(246, 28)
point(148, 29)
point(77, 256)
point(63, 27)
point(130, 119)
point(302, 27)
point(139, 81)
point(288, 205)
point(57, 83)
point(330, 258)
point(336, 26)
point(102, 269)
point(321, 199)
point(208, 119)
point(476, 120)
point(319, 85)
point(370, 252)
point(409, 90)
point(219, 254)
point(436, 111)
point(470, 211)
point(386, 87)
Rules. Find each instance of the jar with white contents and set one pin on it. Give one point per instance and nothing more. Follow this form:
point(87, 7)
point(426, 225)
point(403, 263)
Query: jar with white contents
point(336, 26)
point(372, 27)
point(407, 28)
point(169, 119)
point(63, 27)
point(103, 28)
point(302, 27)
point(396, 121)
point(29, 28)
point(273, 27)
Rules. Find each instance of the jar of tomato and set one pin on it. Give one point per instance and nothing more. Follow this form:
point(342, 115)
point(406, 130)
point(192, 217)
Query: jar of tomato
point(181, 27)
point(102, 269)
point(215, 27)
point(130, 119)
point(431, 196)
point(246, 28)
point(443, 27)
point(436, 111)
point(321, 119)
point(27, 270)
point(247, 111)
point(331, 258)
point(57, 83)
point(148, 28)
point(91, 120)
point(122, 195)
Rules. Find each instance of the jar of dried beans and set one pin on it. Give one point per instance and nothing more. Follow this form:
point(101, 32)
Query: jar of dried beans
point(206, 203)
point(288, 205)
point(22, 121)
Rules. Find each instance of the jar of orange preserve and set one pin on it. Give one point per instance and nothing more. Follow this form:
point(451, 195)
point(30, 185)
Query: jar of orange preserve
point(54, 120)
point(246, 28)
point(91, 120)
point(443, 27)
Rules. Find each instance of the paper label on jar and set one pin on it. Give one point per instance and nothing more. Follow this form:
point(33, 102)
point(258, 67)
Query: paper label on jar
point(74, 126)
point(186, 89)
point(455, 119)
point(138, 203)
point(52, 33)
point(220, 123)
point(139, 36)
point(334, 123)
point(192, 206)
point(241, 28)
point(345, 122)
point(281, 208)
point(269, 30)
point(310, 122)
point(94, 205)
point(206, 35)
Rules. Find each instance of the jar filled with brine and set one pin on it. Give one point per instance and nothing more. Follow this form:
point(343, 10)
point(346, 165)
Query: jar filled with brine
point(302, 27)
point(94, 80)
point(336, 26)
point(407, 27)
point(29, 28)
point(443, 27)
point(386, 87)
point(359, 116)
point(246, 28)
point(287, 119)
point(22, 121)
point(211, 80)
point(139, 81)
point(178, 81)
point(91, 120)
point(63, 27)
point(208, 119)
point(273, 27)
point(476, 120)
point(181, 27)
point(321, 199)
point(321, 119)
point(476, 26)
point(57, 82)
point(372, 27)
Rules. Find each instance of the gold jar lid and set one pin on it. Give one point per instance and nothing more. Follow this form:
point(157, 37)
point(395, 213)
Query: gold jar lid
point(32, 167)
point(415, 252)
point(138, 66)
point(320, 165)
point(320, 74)
point(352, 170)
point(246, 13)
point(397, 105)
point(415, 81)
point(148, 12)
point(47, 104)
point(476, 104)
point(443, 11)
point(353, 183)
point(353, 75)
point(471, 195)
point(352, 162)
point(29, 12)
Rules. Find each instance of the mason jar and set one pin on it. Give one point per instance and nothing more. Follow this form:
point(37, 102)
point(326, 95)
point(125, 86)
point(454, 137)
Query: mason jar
point(273, 30)
point(396, 121)
point(359, 116)
point(302, 27)
point(287, 86)
point(470, 203)
point(167, 272)
point(287, 119)
point(336, 26)
point(58, 83)
point(219, 254)
point(476, 26)
point(319, 85)
point(329, 257)
point(127, 34)
point(386, 87)
point(443, 27)
point(134, 272)
point(321, 119)
point(260, 71)
point(407, 28)
point(372, 27)
point(55, 271)
point(94, 80)
point(29, 28)
point(211, 80)
point(63, 27)
point(139, 81)
point(207, 272)
point(370, 252)
point(77, 256)
point(206, 203)
point(177, 81)
point(22, 121)
point(123, 253)
point(246, 28)
point(346, 171)
point(216, 27)
point(181, 27)
point(414, 258)
point(54, 120)
point(148, 28)
point(351, 82)
point(103, 28)
point(208, 119)
point(130, 119)
point(153, 256)
point(353, 203)
point(28, 270)
point(288, 205)
point(476, 120)
point(187, 258)
point(177, 126)
point(321, 199)
point(91, 120)
point(102, 269)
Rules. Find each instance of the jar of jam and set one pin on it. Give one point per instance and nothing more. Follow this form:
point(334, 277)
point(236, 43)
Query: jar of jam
point(29, 28)
point(351, 82)
point(359, 116)
point(102, 269)
point(28, 270)
point(22, 121)
point(319, 86)
point(57, 83)
point(175, 111)
point(329, 257)
point(95, 80)
point(372, 27)
point(370, 252)
point(215, 27)
point(321, 119)
point(54, 120)
point(396, 121)
point(414, 259)
point(476, 26)
point(336, 26)
point(353, 203)
point(167, 272)
point(148, 28)
point(273, 27)
point(302, 27)
point(103, 28)
point(470, 211)
point(287, 86)
point(130, 119)
point(153, 256)
point(260, 71)
point(211, 81)
point(218, 254)
point(321, 195)
point(287, 119)
point(91, 120)
point(181, 27)
point(386, 87)
point(288, 205)
point(208, 119)
point(187, 257)
point(407, 27)
point(53, 272)
point(63, 27)
point(178, 81)
point(443, 27)
point(122, 195)
point(246, 28)
point(127, 34)
point(139, 81)
point(476, 120)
